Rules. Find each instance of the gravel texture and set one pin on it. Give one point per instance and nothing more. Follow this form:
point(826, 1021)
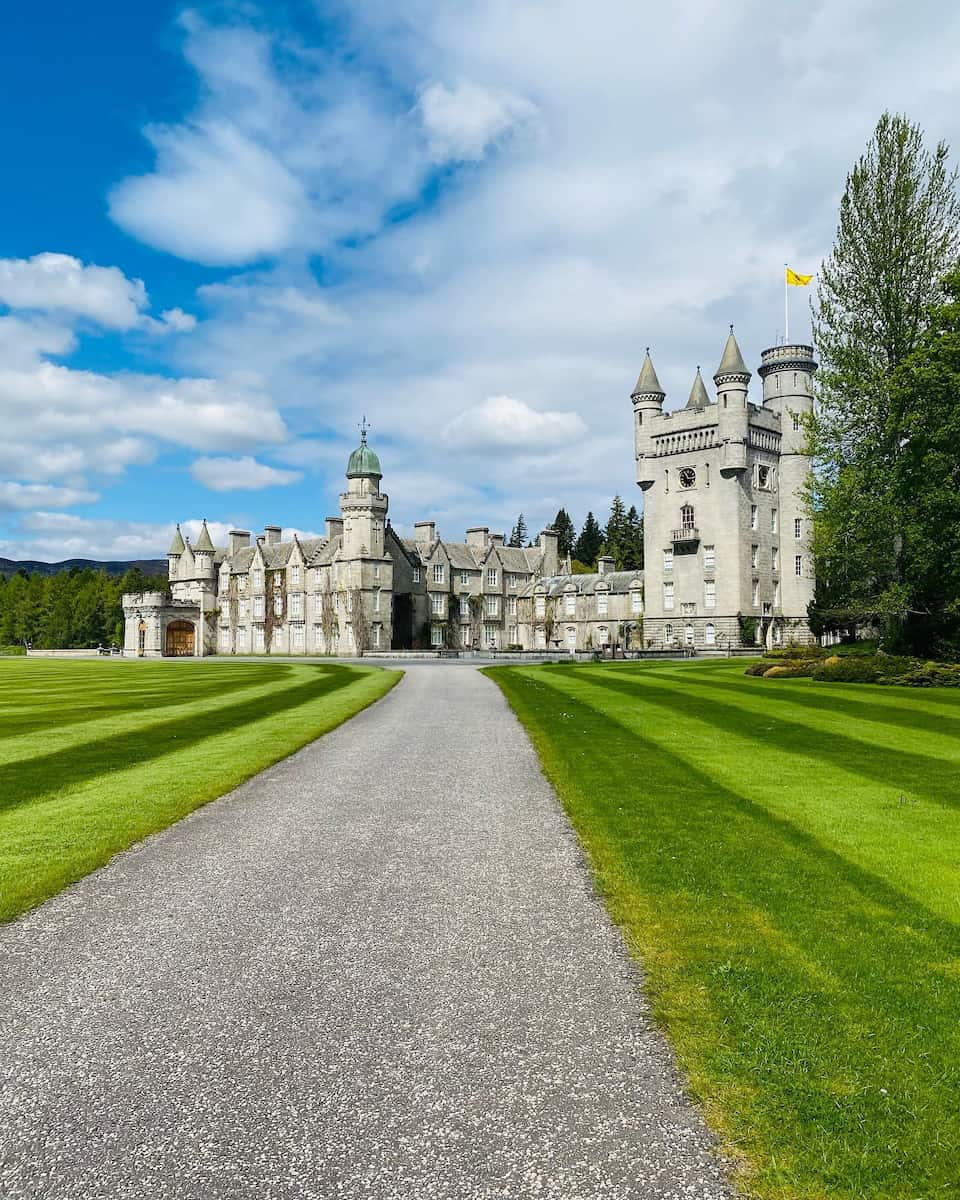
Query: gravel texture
point(376, 970)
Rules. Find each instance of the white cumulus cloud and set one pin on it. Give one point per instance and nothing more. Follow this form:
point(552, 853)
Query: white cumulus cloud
point(462, 122)
point(61, 283)
point(15, 496)
point(240, 474)
point(504, 423)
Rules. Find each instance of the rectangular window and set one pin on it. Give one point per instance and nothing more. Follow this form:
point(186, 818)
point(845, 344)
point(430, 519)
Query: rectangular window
point(775, 558)
point(776, 593)
point(797, 528)
point(773, 520)
point(436, 635)
point(241, 584)
point(258, 608)
point(376, 571)
point(294, 576)
point(540, 606)
point(296, 605)
point(511, 581)
point(753, 516)
point(298, 637)
point(601, 604)
point(767, 608)
point(225, 639)
point(242, 639)
point(436, 603)
point(278, 605)
point(258, 578)
point(796, 422)
point(756, 593)
point(570, 600)
point(493, 606)
point(376, 601)
point(490, 634)
point(243, 609)
point(754, 556)
point(416, 574)
point(464, 578)
point(258, 637)
point(438, 572)
point(798, 565)
point(492, 577)
point(668, 595)
point(512, 606)
point(668, 560)
point(709, 557)
point(688, 610)
point(636, 602)
point(710, 593)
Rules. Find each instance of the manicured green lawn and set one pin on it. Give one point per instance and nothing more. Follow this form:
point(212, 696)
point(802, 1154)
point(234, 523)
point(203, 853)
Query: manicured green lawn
point(785, 859)
point(96, 755)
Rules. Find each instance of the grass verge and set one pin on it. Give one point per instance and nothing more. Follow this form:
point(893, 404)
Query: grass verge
point(96, 755)
point(785, 861)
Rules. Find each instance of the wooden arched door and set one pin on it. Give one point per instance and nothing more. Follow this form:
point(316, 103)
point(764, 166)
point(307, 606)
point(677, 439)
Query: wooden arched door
point(180, 640)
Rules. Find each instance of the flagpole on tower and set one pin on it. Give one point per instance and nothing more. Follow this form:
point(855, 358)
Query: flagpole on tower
point(786, 308)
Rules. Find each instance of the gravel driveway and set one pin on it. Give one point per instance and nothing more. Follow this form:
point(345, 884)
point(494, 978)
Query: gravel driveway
point(376, 970)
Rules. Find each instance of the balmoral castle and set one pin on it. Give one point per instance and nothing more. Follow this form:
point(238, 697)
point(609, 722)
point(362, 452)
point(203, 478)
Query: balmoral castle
point(726, 544)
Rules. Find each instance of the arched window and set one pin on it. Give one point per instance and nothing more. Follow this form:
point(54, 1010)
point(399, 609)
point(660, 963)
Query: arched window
point(686, 517)
point(710, 634)
point(668, 634)
point(688, 635)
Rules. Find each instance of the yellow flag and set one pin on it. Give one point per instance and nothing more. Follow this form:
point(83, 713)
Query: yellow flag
point(796, 279)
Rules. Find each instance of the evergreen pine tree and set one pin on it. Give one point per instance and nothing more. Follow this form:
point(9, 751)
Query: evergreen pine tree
point(566, 532)
point(589, 543)
point(616, 534)
point(518, 534)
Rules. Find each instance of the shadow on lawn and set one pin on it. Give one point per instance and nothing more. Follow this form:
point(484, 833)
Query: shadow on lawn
point(31, 778)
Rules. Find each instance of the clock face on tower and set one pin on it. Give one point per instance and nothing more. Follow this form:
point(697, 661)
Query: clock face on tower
point(688, 477)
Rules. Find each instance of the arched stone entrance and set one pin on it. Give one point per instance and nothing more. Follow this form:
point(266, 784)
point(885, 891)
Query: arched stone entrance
point(181, 640)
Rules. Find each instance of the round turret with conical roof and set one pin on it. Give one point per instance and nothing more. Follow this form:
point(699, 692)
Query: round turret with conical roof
point(698, 393)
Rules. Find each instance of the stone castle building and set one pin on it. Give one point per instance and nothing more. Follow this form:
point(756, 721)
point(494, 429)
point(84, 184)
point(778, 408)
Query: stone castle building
point(726, 540)
point(726, 535)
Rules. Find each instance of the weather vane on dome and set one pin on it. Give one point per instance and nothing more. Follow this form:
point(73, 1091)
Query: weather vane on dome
point(363, 428)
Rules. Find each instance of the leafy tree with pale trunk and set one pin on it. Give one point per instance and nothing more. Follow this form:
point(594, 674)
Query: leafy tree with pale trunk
point(897, 238)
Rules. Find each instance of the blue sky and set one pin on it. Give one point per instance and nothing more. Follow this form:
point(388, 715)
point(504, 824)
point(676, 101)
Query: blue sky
point(228, 230)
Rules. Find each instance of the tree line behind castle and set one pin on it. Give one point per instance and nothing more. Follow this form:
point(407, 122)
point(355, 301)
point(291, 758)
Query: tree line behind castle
point(81, 607)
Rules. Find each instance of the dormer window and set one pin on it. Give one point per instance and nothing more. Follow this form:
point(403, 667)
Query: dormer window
point(438, 572)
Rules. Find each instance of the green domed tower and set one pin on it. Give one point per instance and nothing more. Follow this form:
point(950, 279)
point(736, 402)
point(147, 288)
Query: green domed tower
point(366, 570)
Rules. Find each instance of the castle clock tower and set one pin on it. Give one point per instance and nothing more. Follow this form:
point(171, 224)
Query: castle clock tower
point(365, 571)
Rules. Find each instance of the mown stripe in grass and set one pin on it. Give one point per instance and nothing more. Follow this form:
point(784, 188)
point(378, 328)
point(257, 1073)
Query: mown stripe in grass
point(29, 779)
point(930, 776)
point(814, 1006)
point(880, 705)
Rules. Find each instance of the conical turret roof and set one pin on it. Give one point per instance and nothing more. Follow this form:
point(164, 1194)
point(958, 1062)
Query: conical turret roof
point(204, 543)
point(732, 361)
point(698, 393)
point(647, 381)
point(176, 546)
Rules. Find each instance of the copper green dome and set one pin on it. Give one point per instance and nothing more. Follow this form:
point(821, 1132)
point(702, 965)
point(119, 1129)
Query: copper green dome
point(363, 461)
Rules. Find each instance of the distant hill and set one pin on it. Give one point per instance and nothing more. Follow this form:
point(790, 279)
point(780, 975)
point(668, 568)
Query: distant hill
point(149, 566)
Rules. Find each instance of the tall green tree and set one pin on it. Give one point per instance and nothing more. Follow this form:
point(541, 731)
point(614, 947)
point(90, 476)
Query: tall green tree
point(925, 397)
point(616, 534)
point(590, 541)
point(633, 560)
point(566, 532)
point(897, 237)
point(518, 534)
